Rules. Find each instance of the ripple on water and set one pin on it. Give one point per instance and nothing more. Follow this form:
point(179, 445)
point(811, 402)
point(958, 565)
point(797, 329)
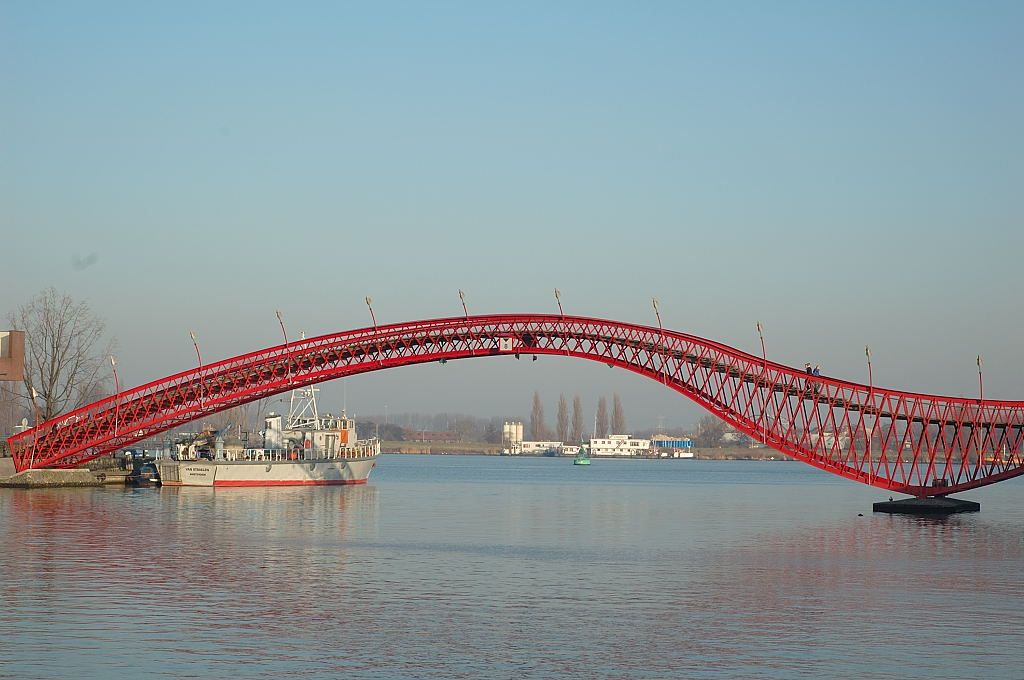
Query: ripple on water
point(509, 568)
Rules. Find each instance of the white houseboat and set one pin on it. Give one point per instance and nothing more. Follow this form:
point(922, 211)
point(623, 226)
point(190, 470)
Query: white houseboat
point(620, 445)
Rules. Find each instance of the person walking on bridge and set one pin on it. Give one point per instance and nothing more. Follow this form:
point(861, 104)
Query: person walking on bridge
point(814, 383)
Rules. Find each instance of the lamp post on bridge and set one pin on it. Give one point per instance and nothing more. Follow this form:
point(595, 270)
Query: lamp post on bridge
point(661, 330)
point(871, 389)
point(981, 382)
point(561, 314)
point(284, 333)
point(764, 379)
point(465, 315)
point(871, 379)
point(981, 399)
point(195, 343)
point(373, 317)
point(117, 393)
point(35, 424)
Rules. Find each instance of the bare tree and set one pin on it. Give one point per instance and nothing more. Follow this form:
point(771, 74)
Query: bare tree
point(538, 430)
point(602, 417)
point(563, 418)
point(577, 419)
point(710, 431)
point(464, 428)
point(492, 432)
point(618, 417)
point(65, 352)
point(229, 421)
point(254, 414)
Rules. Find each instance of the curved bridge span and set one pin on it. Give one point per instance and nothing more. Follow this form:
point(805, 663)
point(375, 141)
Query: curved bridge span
point(917, 444)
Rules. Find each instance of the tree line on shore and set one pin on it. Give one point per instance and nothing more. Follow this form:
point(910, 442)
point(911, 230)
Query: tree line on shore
point(576, 429)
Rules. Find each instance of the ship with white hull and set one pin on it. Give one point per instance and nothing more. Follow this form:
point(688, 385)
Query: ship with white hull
point(273, 473)
point(309, 449)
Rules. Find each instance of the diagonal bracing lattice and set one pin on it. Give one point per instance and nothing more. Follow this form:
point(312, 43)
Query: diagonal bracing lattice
point(917, 444)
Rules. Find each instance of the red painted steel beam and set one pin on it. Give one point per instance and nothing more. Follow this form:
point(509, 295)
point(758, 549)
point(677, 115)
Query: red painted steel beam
point(913, 443)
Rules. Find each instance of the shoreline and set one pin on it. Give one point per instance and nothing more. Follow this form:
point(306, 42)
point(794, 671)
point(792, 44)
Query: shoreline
point(454, 449)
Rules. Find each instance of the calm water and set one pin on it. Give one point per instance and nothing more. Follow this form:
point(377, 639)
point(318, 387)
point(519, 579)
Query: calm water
point(477, 567)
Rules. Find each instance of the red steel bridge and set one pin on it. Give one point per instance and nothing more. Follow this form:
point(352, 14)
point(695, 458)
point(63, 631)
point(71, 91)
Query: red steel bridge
point(917, 444)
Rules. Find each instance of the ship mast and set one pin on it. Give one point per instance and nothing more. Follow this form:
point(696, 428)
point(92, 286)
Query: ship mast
point(302, 411)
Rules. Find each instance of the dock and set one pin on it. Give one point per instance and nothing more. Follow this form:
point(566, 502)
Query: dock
point(47, 478)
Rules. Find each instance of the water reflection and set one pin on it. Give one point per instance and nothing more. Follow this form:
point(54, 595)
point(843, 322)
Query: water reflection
point(521, 574)
point(191, 572)
point(813, 601)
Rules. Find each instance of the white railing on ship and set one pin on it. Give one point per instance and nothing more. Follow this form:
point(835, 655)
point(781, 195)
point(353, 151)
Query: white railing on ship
point(270, 455)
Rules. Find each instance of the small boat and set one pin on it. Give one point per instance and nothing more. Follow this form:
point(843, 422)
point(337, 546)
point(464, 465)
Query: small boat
point(581, 458)
point(143, 471)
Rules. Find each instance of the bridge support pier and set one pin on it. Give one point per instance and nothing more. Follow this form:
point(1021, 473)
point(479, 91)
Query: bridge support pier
point(943, 505)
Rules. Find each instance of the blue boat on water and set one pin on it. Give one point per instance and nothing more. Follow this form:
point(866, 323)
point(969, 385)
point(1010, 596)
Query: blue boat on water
point(142, 470)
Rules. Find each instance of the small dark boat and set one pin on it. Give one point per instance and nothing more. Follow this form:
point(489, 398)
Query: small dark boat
point(143, 471)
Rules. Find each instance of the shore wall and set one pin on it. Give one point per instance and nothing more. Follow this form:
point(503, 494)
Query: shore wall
point(41, 479)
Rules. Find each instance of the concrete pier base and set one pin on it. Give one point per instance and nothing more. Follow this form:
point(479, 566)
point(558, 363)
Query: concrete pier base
point(927, 506)
point(41, 479)
point(7, 468)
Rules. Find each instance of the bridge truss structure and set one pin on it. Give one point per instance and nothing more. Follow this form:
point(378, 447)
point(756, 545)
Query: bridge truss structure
point(916, 444)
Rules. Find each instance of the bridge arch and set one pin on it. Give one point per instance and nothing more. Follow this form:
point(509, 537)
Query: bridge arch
point(918, 444)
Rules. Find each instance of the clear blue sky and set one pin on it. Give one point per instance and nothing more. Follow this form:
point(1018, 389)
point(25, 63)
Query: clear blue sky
point(847, 173)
